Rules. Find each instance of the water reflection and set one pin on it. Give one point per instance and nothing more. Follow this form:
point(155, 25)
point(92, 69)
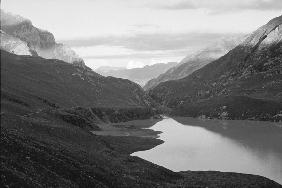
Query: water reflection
point(237, 146)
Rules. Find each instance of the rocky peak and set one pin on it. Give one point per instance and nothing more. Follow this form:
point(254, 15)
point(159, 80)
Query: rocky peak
point(34, 37)
point(265, 35)
point(40, 42)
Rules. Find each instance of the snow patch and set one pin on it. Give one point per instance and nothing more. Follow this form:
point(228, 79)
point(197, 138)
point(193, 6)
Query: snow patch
point(14, 45)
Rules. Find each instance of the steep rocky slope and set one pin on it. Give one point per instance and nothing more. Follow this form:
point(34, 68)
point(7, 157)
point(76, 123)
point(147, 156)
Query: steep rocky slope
point(40, 42)
point(246, 83)
point(194, 62)
point(138, 75)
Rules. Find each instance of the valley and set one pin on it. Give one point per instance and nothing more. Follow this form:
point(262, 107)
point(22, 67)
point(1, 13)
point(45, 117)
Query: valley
point(42, 136)
point(211, 120)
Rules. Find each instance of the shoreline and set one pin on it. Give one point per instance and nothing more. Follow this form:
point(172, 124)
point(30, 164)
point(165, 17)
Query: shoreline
point(72, 156)
point(132, 125)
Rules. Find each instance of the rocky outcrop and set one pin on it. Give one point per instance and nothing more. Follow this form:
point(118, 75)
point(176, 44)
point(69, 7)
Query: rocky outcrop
point(34, 37)
point(14, 45)
point(39, 41)
point(265, 35)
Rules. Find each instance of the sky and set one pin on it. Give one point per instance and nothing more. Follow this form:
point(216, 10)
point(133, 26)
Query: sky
point(134, 33)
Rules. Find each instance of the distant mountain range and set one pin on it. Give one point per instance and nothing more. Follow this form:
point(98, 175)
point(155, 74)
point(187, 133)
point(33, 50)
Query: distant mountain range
point(138, 75)
point(246, 83)
point(199, 59)
point(20, 37)
point(107, 69)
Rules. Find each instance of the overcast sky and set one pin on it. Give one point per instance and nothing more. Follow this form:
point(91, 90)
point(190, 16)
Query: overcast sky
point(134, 33)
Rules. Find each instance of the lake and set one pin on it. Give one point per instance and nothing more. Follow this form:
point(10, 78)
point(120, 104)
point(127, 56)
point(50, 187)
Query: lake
point(223, 145)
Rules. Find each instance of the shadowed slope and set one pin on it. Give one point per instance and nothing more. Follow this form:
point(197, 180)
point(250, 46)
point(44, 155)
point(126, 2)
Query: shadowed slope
point(39, 81)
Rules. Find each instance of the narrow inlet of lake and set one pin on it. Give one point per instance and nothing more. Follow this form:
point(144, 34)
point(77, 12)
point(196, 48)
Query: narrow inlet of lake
point(229, 146)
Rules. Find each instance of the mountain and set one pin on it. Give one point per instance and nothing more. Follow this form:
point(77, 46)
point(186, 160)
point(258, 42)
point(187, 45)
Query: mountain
point(195, 61)
point(40, 42)
point(246, 83)
point(138, 75)
point(41, 82)
point(106, 69)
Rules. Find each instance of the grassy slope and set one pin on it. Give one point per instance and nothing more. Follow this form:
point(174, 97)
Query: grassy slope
point(36, 79)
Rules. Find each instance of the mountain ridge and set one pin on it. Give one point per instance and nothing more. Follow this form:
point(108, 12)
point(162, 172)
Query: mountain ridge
point(249, 73)
point(34, 78)
point(197, 60)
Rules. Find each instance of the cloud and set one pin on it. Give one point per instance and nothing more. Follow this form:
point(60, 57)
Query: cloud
point(224, 5)
point(134, 64)
point(141, 49)
point(150, 42)
point(140, 55)
point(118, 53)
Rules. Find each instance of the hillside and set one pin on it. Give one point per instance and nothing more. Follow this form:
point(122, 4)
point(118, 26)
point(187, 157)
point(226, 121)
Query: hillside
point(39, 81)
point(243, 84)
point(196, 61)
point(137, 75)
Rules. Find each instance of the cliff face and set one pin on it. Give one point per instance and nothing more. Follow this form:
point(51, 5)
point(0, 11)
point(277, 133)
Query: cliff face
point(39, 41)
point(14, 45)
point(196, 61)
point(244, 84)
point(265, 35)
point(36, 38)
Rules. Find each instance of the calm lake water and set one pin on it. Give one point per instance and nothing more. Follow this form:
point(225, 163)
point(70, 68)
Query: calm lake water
point(230, 146)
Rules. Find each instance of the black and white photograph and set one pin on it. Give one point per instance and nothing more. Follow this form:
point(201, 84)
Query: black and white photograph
point(141, 94)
